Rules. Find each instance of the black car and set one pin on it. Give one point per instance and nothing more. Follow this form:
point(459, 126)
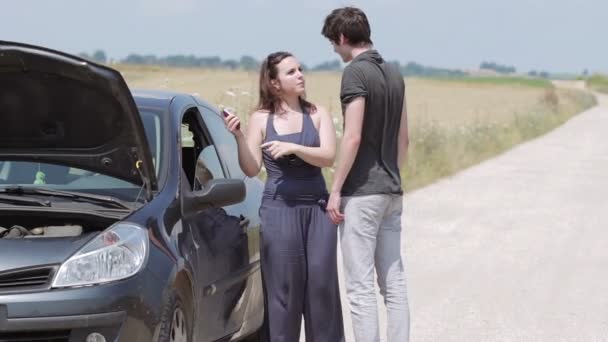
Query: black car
point(123, 217)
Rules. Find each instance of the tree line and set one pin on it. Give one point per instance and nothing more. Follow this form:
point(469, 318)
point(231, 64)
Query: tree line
point(249, 63)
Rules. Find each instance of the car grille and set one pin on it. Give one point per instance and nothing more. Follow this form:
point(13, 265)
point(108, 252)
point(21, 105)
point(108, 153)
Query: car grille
point(43, 336)
point(30, 278)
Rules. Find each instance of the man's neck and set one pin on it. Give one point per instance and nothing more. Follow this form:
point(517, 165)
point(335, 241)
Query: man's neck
point(356, 51)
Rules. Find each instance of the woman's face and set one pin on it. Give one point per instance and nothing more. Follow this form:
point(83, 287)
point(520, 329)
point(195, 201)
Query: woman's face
point(290, 80)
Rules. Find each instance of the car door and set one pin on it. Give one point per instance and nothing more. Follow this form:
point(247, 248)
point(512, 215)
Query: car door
point(250, 302)
point(217, 233)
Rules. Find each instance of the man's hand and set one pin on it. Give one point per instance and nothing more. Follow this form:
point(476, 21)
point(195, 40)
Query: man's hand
point(333, 208)
point(278, 149)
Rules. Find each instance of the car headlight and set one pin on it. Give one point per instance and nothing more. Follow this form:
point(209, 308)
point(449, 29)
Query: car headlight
point(117, 253)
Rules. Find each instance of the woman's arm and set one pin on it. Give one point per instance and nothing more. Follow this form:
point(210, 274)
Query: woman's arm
point(250, 153)
point(325, 154)
point(322, 156)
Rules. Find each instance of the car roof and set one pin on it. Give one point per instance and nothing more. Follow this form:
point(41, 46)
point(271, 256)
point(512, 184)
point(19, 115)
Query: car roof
point(163, 98)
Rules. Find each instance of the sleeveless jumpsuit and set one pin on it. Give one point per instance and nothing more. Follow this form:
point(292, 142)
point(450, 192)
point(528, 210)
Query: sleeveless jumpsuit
point(298, 246)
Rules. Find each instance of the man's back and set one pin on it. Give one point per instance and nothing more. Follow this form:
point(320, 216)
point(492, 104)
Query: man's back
point(375, 170)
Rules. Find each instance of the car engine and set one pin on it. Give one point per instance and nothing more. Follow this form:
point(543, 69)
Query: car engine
point(34, 225)
point(18, 232)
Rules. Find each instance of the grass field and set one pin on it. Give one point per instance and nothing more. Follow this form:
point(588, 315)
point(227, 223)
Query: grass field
point(598, 82)
point(502, 80)
point(454, 123)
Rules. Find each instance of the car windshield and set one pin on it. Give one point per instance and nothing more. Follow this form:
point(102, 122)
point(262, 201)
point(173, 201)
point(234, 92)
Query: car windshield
point(74, 179)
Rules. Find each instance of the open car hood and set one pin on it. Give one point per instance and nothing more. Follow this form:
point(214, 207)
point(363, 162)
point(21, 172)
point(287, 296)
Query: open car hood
point(65, 110)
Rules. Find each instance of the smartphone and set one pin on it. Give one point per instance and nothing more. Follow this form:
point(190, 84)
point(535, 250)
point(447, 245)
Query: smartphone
point(225, 113)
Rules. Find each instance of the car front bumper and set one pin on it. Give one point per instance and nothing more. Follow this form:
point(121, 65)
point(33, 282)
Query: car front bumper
point(121, 311)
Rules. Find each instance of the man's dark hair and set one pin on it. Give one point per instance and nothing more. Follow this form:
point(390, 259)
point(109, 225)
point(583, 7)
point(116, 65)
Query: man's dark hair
point(349, 21)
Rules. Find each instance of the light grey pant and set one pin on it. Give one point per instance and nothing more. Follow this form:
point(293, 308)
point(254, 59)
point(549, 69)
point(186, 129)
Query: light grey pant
point(371, 238)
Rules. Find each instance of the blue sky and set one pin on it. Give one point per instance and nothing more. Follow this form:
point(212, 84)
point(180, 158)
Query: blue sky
point(553, 35)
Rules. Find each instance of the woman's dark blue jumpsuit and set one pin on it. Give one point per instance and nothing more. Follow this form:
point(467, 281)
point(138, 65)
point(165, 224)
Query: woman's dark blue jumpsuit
point(298, 246)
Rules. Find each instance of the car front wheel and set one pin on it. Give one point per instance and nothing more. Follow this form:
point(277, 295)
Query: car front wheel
point(176, 322)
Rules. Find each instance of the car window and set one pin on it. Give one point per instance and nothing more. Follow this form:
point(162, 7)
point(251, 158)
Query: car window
point(208, 166)
point(64, 177)
point(223, 140)
point(152, 126)
point(200, 159)
point(60, 176)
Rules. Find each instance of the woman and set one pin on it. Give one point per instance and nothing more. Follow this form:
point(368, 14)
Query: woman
point(294, 139)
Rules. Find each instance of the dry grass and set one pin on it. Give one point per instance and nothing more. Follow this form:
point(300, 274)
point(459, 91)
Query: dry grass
point(453, 124)
point(446, 101)
point(598, 82)
point(440, 148)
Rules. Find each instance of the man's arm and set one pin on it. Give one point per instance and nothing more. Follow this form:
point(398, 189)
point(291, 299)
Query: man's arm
point(322, 156)
point(353, 124)
point(404, 139)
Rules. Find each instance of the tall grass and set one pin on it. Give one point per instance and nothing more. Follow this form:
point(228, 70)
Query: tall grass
point(500, 80)
point(438, 150)
point(454, 123)
point(598, 82)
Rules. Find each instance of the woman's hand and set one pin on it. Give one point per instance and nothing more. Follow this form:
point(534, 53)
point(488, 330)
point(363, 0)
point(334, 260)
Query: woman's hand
point(278, 149)
point(233, 123)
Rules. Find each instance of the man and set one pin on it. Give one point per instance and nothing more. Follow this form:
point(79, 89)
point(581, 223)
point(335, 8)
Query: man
point(367, 182)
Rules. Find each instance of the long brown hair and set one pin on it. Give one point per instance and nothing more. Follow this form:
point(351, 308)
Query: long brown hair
point(269, 98)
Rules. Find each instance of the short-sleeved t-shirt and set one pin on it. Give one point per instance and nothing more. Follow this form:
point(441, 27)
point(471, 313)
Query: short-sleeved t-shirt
point(375, 169)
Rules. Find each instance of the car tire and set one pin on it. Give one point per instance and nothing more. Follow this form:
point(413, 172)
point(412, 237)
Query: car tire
point(176, 320)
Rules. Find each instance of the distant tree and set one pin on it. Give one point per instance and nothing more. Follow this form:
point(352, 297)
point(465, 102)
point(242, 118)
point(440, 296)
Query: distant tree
point(415, 69)
point(334, 65)
point(249, 63)
point(544, 74)
point(179, 60)
point(99, 56)
point(230, 64)
point(211, 62)
point(501, 69)
point(84, 55)
point(533, 73)
point(140, 59)
point(395, 63)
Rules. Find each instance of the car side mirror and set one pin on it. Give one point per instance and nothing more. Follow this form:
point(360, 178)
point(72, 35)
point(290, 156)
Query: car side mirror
point(221, 192)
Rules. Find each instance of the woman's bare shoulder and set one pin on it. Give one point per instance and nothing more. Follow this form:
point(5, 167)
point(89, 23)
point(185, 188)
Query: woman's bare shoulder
point(259, 116)
point(258, 121)
point(321, 113)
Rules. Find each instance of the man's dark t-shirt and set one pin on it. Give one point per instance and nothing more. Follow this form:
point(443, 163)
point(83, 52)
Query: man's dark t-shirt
point(375, 169)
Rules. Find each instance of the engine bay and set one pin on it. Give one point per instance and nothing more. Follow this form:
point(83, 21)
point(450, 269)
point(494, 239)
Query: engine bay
point(33, 226)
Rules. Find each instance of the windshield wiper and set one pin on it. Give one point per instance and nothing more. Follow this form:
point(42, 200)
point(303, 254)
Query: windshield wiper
point(23, 200)
point(77, 196)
